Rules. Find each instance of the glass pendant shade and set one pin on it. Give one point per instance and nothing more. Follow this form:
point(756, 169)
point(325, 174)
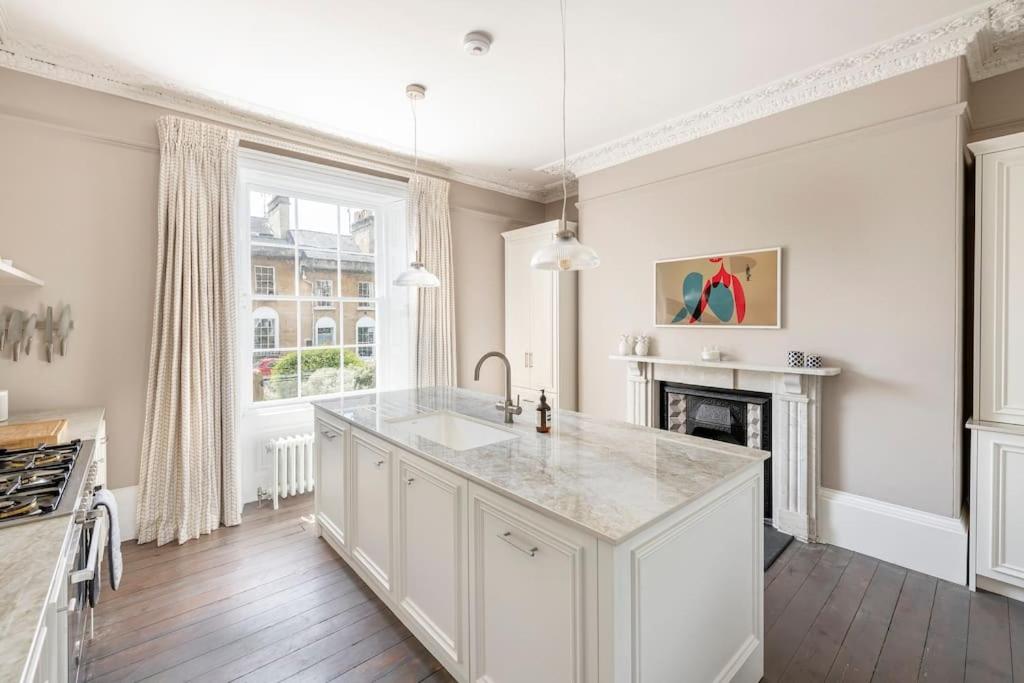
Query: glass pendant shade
point(417, 276)
point(565, 253)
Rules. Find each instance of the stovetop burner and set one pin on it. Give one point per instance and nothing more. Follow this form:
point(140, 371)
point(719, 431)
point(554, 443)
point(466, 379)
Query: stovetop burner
point(32, 480)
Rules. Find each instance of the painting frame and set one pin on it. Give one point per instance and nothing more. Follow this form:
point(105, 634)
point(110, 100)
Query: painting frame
point(722, 326)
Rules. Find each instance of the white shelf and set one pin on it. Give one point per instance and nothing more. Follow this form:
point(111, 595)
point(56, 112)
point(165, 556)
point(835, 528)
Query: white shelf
point(11, 276)
point(731, 365)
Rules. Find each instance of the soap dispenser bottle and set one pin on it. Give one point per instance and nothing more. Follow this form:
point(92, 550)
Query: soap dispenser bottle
point(543, 408)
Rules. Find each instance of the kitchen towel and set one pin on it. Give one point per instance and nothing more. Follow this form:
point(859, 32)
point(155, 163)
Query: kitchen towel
point(104, 498)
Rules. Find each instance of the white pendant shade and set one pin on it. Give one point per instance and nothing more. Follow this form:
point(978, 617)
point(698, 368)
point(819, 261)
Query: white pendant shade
point(417, 276)
point(565, 253)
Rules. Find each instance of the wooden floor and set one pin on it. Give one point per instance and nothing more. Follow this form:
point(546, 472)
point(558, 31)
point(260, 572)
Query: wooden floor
point(834, 615)
point(263, 601)
point(267, 601)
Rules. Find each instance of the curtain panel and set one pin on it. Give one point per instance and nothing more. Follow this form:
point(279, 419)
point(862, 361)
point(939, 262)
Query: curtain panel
point(189, 472)
point(435, 315)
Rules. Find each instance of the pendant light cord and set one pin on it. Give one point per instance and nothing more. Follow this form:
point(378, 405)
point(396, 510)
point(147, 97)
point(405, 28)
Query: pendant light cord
point(414, 223)
point(565, 192)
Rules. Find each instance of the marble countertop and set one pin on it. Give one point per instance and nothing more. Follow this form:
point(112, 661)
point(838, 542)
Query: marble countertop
point(83, 423)
point(610, 478)
point(29, 555)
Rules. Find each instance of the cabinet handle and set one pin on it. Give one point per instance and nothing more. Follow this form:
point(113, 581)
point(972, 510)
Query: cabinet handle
point(379, 463)
point(507, 537)
point(328, 434)
point(409, 481)
point(526, 359)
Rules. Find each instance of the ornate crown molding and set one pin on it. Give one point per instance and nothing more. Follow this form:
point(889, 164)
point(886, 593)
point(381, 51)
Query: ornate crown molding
point(40, 60)
point(991, 37)
point(993, 34)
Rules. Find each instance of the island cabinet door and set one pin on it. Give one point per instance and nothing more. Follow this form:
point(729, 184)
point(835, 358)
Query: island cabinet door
point(330, 481)
point(534, 606)
point(432, 585)
point(371, 507)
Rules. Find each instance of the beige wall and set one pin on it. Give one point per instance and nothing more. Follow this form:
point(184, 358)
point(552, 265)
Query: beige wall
point(78, 181)
point(553, 209)
point(997, 105)
point(863, 201)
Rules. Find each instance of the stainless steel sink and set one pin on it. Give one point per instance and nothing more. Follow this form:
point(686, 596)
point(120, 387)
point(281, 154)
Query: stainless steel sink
point(458, 432)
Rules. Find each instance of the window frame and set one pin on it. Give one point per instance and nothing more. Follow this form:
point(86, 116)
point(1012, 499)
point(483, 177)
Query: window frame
point(269, 173)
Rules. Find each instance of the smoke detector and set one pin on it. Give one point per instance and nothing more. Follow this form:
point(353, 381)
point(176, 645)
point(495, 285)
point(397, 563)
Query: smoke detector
point(477, 43)
point(415, 91)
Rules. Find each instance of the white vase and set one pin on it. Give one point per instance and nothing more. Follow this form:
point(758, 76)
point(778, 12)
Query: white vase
point(625, 345)
point(643, 345)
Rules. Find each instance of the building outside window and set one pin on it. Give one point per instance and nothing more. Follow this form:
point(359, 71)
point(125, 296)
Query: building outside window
point(264, 279)
point(366, 336)
point(324, 288)
point(365, 292)
point(326, 332)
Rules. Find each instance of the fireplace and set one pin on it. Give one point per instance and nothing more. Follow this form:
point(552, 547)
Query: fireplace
point(732, 416)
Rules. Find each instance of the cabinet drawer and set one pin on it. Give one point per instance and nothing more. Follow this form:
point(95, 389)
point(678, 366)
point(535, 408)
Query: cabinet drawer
point(371, 507)
point(533, 595)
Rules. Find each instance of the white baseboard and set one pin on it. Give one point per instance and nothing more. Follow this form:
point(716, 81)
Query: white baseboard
point(925, 542)
point(125, 498)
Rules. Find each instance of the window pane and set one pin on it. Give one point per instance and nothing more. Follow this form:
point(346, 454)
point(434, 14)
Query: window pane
point(358, 231)
point(357, 272)
point(321, 371)
point(317, 216)
point(360, 323)
point(320, 325)
point(273, 324)
point(273, 270)
point(274, 376)
point(318, 269)
point(360, 372)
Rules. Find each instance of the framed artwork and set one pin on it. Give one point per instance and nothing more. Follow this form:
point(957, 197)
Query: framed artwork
point(738, 289)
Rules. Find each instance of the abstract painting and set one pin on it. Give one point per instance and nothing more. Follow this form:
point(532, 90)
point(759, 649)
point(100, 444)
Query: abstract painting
point(739, 289)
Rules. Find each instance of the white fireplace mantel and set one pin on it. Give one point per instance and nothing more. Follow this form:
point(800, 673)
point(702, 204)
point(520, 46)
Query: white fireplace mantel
point(796, 421)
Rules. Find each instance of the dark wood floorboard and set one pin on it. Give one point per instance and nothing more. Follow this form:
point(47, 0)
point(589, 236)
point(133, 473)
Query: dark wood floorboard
point(267, 601)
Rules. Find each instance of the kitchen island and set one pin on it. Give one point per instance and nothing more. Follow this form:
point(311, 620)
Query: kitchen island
point(601, 551)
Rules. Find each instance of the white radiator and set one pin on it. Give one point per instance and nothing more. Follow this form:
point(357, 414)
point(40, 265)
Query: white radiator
point(293, 465)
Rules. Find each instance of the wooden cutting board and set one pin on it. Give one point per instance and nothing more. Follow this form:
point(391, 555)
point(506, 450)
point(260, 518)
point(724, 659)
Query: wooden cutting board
point(31, 434)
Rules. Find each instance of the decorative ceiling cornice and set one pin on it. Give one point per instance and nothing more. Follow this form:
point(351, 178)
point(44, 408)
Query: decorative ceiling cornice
point(995, 27)
point(991, 36)
point(40, 60)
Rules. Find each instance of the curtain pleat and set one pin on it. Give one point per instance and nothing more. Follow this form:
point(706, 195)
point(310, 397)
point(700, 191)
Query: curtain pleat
point(435, 316)
point(189, 471)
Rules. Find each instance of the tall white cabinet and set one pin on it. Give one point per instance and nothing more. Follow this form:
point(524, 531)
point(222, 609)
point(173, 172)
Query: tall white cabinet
point(997, 445)
point(540, 319)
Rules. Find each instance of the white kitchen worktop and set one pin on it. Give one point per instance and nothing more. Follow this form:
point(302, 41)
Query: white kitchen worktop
point(609, 478)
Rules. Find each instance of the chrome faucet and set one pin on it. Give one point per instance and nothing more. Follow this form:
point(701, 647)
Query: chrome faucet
point(506, 406)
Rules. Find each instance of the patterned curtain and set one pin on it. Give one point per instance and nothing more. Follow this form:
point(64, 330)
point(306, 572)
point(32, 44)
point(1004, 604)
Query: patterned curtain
point(189, 475)
point(435, 316)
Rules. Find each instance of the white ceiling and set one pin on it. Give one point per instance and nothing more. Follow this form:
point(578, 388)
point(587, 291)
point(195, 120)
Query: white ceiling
point(341, 66)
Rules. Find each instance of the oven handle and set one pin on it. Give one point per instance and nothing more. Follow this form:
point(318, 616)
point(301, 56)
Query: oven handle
point(95, 548)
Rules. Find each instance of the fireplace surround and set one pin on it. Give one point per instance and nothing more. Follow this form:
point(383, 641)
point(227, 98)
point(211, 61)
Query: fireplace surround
point(795, 418)
point(733, 416)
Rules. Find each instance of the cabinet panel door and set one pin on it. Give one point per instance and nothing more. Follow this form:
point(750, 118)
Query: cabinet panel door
point(529, 596)
point(518, 253)
point(1001, 346)
point(542, 330)
point(432, 584)
point(330, 480)
point(371, 509)
point(1000, 507)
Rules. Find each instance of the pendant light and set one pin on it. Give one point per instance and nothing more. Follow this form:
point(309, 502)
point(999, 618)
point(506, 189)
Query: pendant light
point(416, 275)
point(566, 252)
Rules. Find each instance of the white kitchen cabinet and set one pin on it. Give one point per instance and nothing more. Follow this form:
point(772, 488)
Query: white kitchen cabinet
point(997, 443)
point(997, 509)
point(372, 531)
point(534, 598)
point(540, 319)
point(331, 479)
point(999, 385)
point(432, 585)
